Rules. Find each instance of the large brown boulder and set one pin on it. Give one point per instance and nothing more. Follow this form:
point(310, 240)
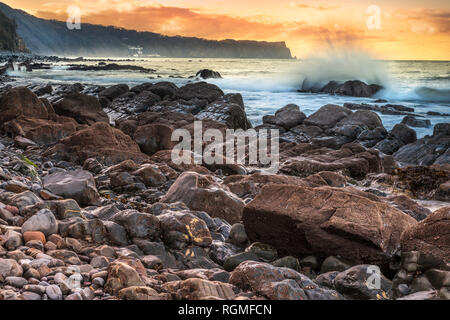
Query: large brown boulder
point(431, 237)
point(304, 160)
point(202, 193)
point(83, 108)
point(21, 102)
point(154, 137)
point(99, 141)
point(22, 113)
point(325, 221)
point(41, 131)
point(249, 185)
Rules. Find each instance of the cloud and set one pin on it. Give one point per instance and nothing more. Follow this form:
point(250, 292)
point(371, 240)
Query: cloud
point(321, 7)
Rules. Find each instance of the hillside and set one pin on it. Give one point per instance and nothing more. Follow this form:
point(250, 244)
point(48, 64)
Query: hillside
point(49, 37)
point(9, 40)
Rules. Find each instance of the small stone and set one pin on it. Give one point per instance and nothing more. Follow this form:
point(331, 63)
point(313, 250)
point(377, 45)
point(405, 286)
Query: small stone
point(54, 292)
point(34, 235)
point(17, 282)
point(333, 264)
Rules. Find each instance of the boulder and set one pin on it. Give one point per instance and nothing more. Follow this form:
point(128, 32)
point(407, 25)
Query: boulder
point(43, 221)
point(200, 289)
point(428, 150)
point(412, 121)
point(138, 224)
point(83, 108)
point(21, 102)
point(325, 221)
point(9, 268)
point(120, 276)
point(200, 91)
point(100, 141)
point(289, 116)
point(276, 283)
point(114, 91)
point(232, 114)
point(202, 193)
point(430, 237)
point(327, 116)
point(208, 74)
point(363, 282)
point(180, 229)
point(78, 185)
point(154, 137)
point(363, 118)
point(304, 160)
point(353, 88)
point(139, 293)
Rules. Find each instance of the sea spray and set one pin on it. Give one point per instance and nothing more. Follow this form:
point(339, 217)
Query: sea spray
point(340, 64)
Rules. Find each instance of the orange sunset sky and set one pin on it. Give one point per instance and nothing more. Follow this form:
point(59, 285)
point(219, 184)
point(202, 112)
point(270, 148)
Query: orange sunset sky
point(410, 29)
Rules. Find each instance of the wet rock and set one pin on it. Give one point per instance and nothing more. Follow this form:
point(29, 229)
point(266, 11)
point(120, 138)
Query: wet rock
point(114, 91)
point(428, 150)
point(201, 193)
point(78, 185)
point(208, 74)
point(353, 88)
point(199, 90)
point(325, 221)
point(83, 108)
point(417, 123)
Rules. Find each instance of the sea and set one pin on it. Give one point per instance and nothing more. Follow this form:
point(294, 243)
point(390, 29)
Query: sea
point(267, 85)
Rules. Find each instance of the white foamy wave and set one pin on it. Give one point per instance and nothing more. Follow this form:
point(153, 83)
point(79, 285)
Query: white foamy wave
point(416, 94)
point(340, 64)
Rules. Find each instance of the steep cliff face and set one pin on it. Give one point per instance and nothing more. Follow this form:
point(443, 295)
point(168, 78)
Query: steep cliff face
point(9, 40)
point(53, 37)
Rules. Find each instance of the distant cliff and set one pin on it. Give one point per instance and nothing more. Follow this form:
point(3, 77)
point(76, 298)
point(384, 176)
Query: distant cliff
point(49, 37)
point(9, 40)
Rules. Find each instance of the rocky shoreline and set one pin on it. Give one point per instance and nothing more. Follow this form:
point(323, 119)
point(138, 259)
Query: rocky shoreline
point(89, 195)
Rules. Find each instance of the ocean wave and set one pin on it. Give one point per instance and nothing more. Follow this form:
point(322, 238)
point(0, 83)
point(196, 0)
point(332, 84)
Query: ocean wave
point(425, 94)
